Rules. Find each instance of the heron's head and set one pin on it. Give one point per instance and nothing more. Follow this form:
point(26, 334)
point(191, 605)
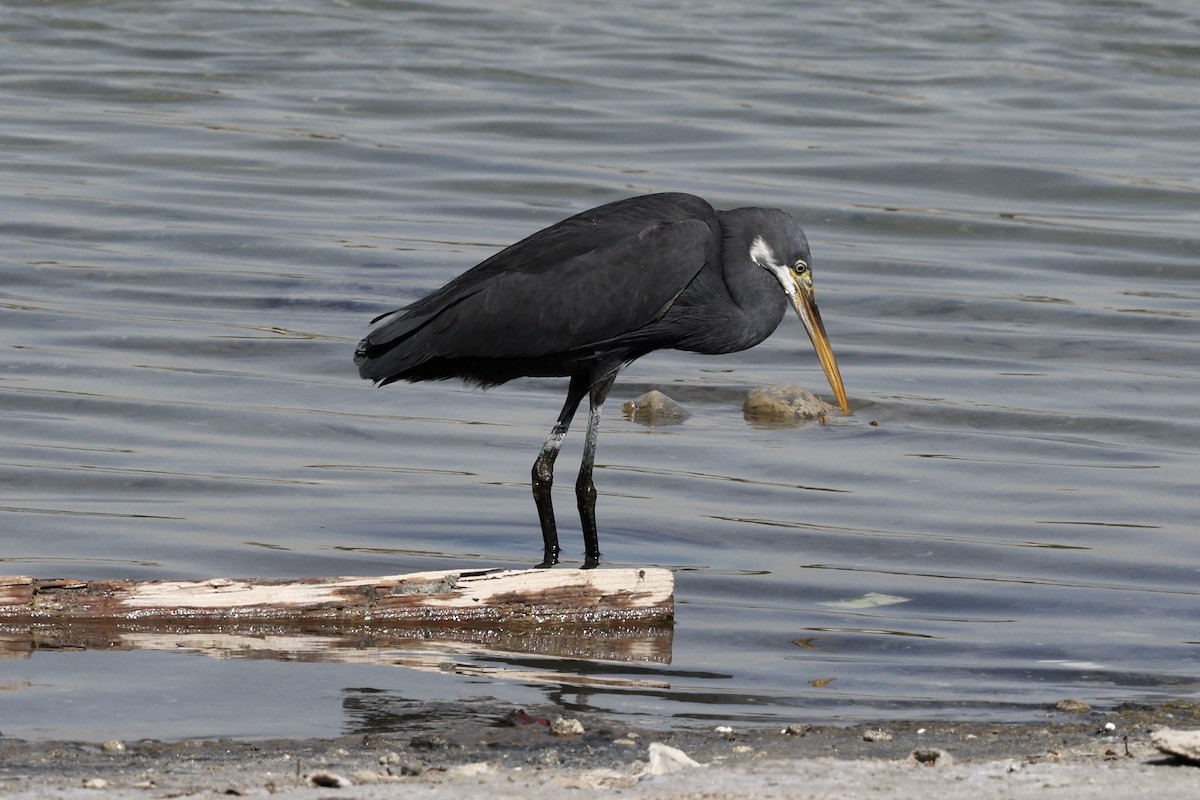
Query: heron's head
point(782, 249)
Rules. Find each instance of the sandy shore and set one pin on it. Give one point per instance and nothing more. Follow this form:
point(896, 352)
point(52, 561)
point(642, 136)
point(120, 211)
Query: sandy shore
point(1081, 755)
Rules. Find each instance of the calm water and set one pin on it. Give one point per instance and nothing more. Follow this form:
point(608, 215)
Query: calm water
point(203, 203)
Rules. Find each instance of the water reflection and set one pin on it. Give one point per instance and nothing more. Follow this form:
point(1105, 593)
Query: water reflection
point(429, 647)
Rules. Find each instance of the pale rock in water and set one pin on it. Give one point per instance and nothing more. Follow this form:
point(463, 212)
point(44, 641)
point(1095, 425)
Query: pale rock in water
point(654, 408)
point(787, 404)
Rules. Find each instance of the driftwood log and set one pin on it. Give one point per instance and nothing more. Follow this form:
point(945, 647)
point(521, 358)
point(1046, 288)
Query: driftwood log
point(532, 597)
point(437, 621)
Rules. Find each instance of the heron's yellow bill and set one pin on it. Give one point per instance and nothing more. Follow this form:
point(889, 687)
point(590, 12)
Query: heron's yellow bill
point(806, 307)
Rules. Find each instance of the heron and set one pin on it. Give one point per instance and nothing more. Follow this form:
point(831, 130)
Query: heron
point(587, 296)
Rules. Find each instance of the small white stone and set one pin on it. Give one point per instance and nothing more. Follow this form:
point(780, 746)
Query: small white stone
point(665, 759)
point(561, 726)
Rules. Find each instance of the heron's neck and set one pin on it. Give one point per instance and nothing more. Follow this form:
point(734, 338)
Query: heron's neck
point(759, 300)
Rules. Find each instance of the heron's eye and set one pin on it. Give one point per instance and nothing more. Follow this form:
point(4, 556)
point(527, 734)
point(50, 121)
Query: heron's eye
point(800, 267)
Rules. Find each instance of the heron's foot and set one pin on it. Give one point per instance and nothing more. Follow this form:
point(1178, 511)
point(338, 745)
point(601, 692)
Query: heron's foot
point(549, 559)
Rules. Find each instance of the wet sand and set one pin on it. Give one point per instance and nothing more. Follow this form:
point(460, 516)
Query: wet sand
point(1080, 755)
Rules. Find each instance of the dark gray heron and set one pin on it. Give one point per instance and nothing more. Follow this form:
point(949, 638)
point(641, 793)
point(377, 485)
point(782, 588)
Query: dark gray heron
point(587, 296)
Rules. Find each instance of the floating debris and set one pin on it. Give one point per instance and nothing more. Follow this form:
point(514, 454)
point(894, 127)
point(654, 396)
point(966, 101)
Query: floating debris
point(521, 717)
point(868, 600)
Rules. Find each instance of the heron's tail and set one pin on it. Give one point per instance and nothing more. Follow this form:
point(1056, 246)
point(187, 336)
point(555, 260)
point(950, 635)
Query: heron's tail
point(390, 351)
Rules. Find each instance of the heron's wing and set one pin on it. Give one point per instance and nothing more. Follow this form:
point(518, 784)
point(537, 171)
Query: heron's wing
point(588, 298)
point(594, 276)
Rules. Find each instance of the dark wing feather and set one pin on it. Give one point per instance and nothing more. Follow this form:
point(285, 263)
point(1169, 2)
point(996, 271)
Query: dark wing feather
point(590, 298)
point(595, 277)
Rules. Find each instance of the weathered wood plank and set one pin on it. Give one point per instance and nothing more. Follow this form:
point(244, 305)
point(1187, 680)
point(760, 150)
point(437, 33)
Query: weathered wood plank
point(508, 597)
point(16, 595)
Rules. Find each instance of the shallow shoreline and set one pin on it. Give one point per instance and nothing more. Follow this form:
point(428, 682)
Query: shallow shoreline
point(1069, 756)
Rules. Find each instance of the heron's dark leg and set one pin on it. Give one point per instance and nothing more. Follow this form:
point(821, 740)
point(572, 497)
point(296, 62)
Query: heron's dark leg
point(543, 471)
point(585, 490)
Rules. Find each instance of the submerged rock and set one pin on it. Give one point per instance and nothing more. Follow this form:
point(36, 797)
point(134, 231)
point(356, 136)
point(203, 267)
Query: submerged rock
point(1072, 706)
point(655, 408)
point(784, 405)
